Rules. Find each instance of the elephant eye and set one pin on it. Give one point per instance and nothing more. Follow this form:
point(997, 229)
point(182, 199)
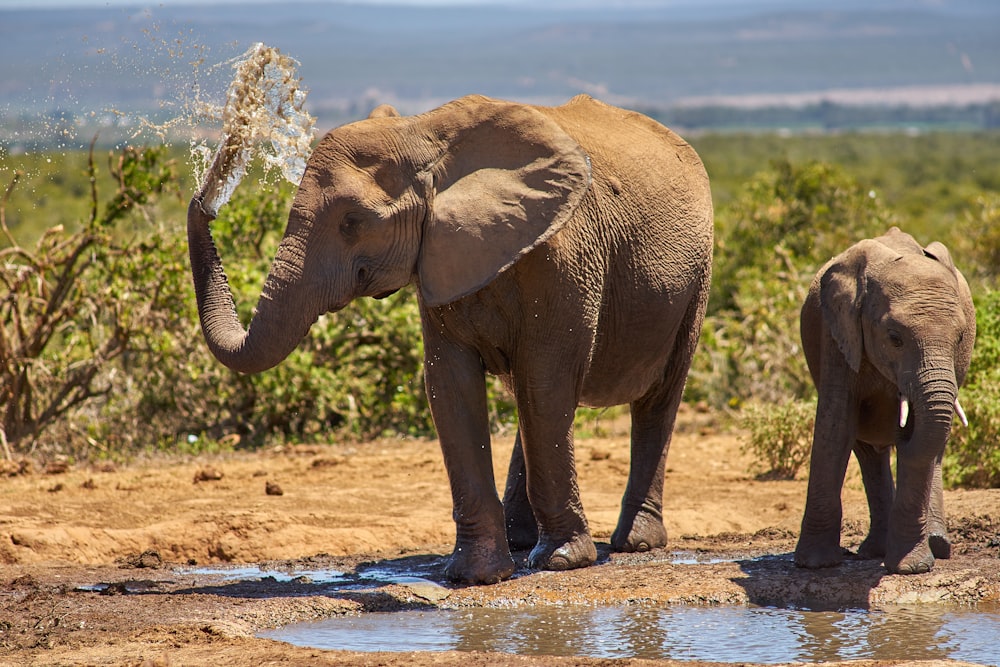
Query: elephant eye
point(895, 339)
point(351, 223)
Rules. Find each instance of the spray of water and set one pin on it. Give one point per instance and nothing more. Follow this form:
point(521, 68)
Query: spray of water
point(263, 115)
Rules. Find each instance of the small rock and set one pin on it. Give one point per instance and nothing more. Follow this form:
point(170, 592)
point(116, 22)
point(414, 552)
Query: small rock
point(117, 588)
point(272, 489)
point(207, 475)
point(56, 467)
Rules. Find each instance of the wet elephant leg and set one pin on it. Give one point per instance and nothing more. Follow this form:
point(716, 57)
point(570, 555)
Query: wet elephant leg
point(546, 411)
point(456, 390)
point(876, 473)
point(522, 530)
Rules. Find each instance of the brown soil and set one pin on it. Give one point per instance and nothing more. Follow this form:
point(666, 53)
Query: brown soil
point(94, 561)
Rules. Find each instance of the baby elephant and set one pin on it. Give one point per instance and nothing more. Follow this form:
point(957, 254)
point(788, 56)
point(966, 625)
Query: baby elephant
point(888, 329)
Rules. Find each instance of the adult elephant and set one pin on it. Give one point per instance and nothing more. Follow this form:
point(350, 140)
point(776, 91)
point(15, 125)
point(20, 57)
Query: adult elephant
point(888, 328)
point(567, 250)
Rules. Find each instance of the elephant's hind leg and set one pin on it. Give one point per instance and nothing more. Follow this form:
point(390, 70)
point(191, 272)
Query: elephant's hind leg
point(522, 530)
point(876, 473)
point(640, 524)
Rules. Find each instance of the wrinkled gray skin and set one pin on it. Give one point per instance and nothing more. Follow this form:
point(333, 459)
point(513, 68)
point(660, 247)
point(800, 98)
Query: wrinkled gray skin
point(566, 250)
point(886, 321)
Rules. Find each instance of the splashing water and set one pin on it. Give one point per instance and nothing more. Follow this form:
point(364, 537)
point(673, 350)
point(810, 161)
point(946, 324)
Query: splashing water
point(264, 106)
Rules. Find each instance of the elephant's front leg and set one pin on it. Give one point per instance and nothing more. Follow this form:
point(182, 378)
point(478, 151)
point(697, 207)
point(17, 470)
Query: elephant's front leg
point(909, 550)
point(456, 390)
point(833, 438)
point(546, 426)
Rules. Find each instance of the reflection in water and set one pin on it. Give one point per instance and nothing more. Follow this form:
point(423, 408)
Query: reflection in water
point(723, 634)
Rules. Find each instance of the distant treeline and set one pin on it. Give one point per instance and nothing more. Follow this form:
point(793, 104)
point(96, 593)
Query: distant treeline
point(64, 130)
point(831, 116)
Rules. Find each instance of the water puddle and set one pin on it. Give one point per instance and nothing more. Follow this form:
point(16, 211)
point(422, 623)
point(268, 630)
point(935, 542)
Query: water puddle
point(256, 572)
point(324, 581)
point(722, 634)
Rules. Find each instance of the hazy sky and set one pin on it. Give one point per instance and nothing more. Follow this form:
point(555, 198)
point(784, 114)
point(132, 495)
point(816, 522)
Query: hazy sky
point(39, 4)
point(7, 4)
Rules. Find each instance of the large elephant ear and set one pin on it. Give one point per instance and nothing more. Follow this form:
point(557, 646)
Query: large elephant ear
point(508, 179)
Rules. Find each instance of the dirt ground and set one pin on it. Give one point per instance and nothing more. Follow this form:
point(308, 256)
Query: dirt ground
point(97, 563)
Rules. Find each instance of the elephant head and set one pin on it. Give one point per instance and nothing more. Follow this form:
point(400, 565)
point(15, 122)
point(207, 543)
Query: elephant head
point(901, 325)
point(448, 199)
point(907, 311)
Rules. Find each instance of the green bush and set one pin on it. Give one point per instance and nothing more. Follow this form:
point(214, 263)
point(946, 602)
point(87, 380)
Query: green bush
point(797, 214)
point(67, 321)
point(972, 457)
point(979, 248)
point(753, 352)
point(779, 436)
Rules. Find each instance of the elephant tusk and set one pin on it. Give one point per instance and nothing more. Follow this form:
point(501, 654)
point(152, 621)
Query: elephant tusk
point(904, 411)
point(961, 414)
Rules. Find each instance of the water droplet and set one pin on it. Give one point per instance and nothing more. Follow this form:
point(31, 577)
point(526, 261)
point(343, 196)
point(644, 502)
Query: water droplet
point(263, 104)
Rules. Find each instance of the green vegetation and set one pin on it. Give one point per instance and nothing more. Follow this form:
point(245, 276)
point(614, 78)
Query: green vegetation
point(973, 455)
point(780, 437)
point(103, 356)
point(828, 116)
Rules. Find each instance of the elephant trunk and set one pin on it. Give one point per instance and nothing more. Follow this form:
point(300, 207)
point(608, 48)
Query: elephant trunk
point(934, 396)
point(916, 511)
point(282, 317)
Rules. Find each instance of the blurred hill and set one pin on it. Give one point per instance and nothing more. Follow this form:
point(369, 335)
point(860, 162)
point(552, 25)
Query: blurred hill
point(110, 65)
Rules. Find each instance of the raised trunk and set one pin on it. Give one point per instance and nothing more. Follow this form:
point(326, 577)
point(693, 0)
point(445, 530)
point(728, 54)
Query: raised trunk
point(284, 312)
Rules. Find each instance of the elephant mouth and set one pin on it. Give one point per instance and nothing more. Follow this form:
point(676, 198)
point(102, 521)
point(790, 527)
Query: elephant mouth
point(385, 294)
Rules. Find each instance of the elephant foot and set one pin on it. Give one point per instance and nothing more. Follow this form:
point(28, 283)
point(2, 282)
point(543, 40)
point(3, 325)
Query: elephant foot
point(644, 532)
point(563, 555)
point(814, 556)
point(940, 546)
point(872, 548)
point(918, 560)
point(470, 565)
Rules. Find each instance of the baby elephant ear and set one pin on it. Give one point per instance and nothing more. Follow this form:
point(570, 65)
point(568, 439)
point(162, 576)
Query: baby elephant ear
point(843, 290)
point(842, 285)
point(384, 111)
point(510, 178)
point(937, 251)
